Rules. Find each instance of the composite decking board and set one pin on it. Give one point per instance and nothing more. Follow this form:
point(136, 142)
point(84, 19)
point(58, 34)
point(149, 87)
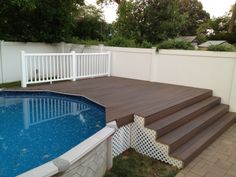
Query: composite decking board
point(170, 109)
point(183, 133)
point(171, 122)
point(123, 97)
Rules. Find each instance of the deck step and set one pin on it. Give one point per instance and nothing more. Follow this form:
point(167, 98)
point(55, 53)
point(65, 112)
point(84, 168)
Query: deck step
point(185, 132)
point(181, 105)
point(196, 145)
point(169, 123)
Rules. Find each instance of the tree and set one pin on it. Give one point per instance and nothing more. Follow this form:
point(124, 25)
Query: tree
point(213, 27)
point(44, 20)
point(150, 20)
point(90, 24)
point(195, 14)
point(232, 20)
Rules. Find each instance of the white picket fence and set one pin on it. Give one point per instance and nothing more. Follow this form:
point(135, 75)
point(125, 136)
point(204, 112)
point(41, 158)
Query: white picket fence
point(51, 67)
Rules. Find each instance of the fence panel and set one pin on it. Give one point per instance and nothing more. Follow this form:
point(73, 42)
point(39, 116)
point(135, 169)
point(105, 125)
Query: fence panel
point(50, 67)
point(92, 65)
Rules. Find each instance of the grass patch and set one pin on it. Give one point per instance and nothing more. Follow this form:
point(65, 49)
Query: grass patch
point(11, 85)
point(133, 164)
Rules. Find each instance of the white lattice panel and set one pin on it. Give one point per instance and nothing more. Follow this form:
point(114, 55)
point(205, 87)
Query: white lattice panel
point(143, 140)
point(121, 140)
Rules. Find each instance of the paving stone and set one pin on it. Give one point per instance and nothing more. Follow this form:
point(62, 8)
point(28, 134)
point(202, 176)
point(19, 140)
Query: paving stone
point(218, 160)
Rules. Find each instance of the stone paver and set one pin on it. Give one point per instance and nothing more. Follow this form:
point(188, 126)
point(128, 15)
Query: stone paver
point(218, 160)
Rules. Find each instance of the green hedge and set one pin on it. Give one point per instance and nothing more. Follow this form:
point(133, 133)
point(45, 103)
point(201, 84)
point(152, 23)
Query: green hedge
point(175, 44)
point(224, 47)
point(121, 42)
point(124, 42)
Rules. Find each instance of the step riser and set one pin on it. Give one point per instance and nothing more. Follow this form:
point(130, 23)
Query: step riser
point(185, 119)
point(191, 134)
point(210, 141)
point(171, 110)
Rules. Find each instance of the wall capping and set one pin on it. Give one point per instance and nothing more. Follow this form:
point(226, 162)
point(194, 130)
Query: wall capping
point(198, 53)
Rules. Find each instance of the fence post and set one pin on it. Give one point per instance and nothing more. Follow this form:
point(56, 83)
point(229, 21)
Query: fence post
point(152, 65)
point(23, 70)
point(109, 63)
point(232, 102)
point(101, 46)
point(74, 66)
point(1, 61)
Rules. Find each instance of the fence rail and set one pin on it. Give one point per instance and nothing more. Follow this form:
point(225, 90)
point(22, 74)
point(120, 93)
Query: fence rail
point(51, 67)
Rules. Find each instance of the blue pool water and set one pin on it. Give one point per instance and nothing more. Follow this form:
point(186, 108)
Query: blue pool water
point(37, 127)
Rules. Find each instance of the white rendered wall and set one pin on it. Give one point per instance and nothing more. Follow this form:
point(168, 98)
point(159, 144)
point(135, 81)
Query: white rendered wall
point(211, 70)
point(131, 63)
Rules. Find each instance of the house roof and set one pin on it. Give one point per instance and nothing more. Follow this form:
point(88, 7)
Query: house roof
point(209, 43)
point(187, 38)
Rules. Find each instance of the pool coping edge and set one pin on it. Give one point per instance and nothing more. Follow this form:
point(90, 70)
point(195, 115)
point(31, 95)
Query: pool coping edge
point(48, 169)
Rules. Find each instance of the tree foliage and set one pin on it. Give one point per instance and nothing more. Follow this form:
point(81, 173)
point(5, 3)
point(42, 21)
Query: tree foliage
point(151, 20)
point(90, 24)
point(216, 29)
point(195, 15)
point(232, 20)
point(37, 20)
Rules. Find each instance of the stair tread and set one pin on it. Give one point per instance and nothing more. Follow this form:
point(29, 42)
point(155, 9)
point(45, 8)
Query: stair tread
point(170, 106)
point(181, 131)
point(160, 124)
point(192, 146)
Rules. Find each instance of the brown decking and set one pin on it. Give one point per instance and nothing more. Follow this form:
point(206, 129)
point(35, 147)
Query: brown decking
point(185, 119)
point(125, 97)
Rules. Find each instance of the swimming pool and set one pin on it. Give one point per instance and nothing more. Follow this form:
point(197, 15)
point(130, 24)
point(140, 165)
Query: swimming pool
point(37, 127)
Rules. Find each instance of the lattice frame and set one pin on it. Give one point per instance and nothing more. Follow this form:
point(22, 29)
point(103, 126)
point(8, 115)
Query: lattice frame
point(121, 140)
point(143, 140)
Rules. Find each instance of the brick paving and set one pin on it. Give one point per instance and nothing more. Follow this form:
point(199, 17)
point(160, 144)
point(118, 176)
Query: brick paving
point(218, 160)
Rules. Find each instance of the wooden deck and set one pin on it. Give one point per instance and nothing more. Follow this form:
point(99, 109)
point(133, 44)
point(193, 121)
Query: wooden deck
point(185, 119)
point(125, 97)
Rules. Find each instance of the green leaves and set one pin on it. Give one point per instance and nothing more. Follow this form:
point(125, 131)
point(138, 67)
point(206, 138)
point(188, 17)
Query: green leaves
point(90, 24)
point(194, 14)
point(175, 44)
point(37, 20)
point(150, 20)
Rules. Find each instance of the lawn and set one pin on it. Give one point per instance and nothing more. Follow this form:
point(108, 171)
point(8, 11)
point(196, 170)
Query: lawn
point(133, 164)
point(11, 85)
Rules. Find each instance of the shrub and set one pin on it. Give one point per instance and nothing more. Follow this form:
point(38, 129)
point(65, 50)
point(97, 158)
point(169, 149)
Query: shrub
point(90, 42)
point(223, 47)
point(116, 42)
point(175, 44)
point(146, 44)
point(121, 42)
point(229, 37)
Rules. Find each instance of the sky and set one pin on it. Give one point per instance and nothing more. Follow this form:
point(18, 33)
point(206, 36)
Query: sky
point(216, 8)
